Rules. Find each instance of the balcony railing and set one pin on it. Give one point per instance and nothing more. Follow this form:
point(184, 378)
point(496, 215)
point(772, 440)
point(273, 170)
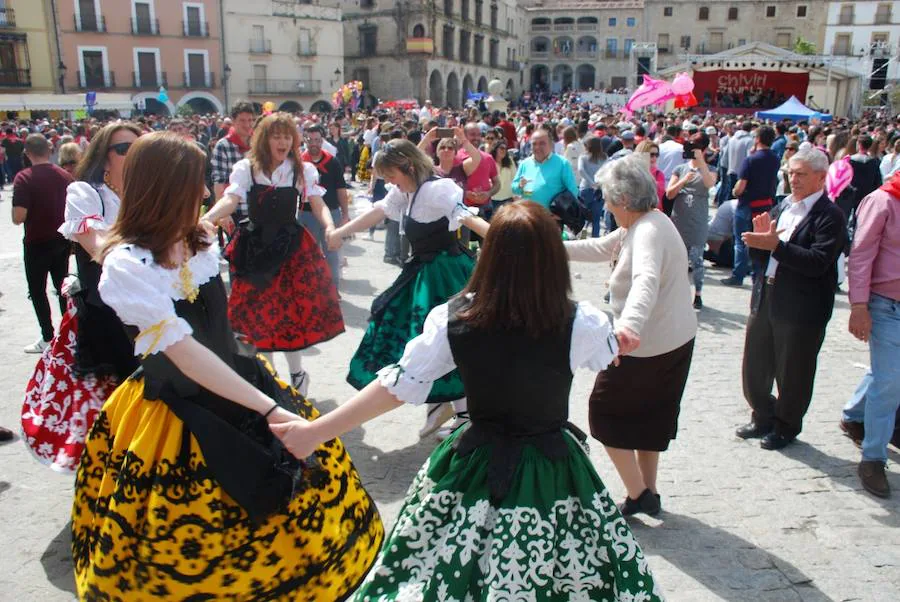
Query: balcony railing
point(195, 29)
point(419, 45)
point(199, 80)
point(149, 81)
point(564, 27)
point(511, 64)
point(260, 46)
point(612, 53)
point(96, 81)
point(15, 78)
point(300, 87)
point(586, 54)
point(8, 19)
point(90, 23)
point(540, 54)
point(541, 27)
point(308, 49)
point(145, 27)
point(587, 27)
point(662, 49)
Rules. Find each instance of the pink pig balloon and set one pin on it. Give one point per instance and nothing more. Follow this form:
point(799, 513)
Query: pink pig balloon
point(682, 84)
point(651, 92)
point(839, 176)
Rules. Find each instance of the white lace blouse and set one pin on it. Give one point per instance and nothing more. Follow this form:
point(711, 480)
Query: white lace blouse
point(84, 210)
point(428, 357)
point(436, 199)
point(241, 180)
point(143, 293)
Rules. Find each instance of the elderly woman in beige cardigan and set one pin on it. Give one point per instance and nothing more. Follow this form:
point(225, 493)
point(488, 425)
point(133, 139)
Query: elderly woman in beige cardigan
point(634, 406)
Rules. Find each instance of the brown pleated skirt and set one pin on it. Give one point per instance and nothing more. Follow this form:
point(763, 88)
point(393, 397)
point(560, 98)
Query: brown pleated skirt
point(635, 405)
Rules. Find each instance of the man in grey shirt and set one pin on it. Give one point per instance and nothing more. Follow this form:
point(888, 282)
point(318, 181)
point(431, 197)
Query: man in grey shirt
point(739, 147)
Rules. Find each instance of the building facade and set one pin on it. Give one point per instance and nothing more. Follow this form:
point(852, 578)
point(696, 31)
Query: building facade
point(28, 54)
point(867, 36)
point(582, 44)
point(691, 27)
point(139, 47)
point(289, 52)
point(438, 50)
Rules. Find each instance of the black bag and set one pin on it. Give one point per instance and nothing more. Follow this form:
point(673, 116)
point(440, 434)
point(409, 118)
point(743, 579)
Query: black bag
point(570, 210)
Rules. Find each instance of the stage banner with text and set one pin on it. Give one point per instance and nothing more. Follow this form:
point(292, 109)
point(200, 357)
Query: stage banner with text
point(721, 81)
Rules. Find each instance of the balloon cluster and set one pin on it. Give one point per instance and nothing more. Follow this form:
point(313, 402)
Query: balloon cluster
point(656, 91)
point(348, 94)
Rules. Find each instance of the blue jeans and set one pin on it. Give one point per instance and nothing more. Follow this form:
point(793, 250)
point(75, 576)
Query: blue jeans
point(333, 258)
point(593, 200)
point(743, 222)
point(726, 184)
point(695, 263)
point(877, 397)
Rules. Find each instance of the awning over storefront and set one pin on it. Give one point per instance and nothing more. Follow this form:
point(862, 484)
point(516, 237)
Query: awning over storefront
point(63, 102)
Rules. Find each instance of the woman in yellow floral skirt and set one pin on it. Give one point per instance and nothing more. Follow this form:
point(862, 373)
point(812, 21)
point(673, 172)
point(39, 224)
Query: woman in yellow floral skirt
point(183, 493)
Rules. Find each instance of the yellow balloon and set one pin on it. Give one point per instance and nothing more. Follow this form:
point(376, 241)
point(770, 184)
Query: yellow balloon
point(269, 106)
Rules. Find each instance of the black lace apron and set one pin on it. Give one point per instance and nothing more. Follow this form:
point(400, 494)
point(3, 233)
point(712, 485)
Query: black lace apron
point(239, 449)
point(271, 233)
point(426, 241)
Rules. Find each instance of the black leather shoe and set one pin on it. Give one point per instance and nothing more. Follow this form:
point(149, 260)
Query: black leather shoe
point(873, 479)
point(732, 281)
point(648, 503)
point(6, 434)
point(854, 430)
point(774, 441)
point(753, 430)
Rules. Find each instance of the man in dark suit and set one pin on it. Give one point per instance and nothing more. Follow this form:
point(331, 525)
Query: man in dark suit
point(797, 247)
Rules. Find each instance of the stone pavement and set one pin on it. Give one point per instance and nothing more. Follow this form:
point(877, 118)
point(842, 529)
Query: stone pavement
point(740, 523)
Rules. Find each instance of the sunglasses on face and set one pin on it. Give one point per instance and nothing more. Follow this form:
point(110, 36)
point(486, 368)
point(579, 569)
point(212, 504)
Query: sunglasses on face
point(654, 154)
point(121, 148)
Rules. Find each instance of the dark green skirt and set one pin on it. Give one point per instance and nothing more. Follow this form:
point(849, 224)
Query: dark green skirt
point(403, 320)
point(556, 536)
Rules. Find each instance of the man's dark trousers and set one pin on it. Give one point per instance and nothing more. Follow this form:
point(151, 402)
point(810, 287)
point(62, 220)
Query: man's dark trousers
point(43, 259)
point(783, 352)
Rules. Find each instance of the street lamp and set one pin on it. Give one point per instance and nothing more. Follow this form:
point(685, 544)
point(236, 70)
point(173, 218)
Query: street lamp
point(62, 76)
point(337, 76)
point(226, 75)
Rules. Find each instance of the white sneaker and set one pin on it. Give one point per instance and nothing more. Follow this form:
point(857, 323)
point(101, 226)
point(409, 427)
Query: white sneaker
point(448, 430)
point(300, 382)
point(438, 414)
point(37, 347)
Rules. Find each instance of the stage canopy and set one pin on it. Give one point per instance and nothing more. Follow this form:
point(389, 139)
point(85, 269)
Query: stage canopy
point(768, 76)
point(795, 110)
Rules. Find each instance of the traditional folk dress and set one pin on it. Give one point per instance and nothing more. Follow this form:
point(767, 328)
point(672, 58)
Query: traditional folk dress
point(89, 355)
point(184, 495)
point(509, 507)
point(282, 294)
point(438, 269)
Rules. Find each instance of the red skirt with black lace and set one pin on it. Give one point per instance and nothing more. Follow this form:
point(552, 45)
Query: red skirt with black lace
point(294, 309)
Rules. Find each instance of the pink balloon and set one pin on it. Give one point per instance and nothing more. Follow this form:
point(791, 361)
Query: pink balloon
point(651, 92)
point(839, 176)
point(682, 84)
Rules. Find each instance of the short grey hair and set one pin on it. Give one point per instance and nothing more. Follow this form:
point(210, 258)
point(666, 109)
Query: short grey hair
point(627, 182)
point(815, 158)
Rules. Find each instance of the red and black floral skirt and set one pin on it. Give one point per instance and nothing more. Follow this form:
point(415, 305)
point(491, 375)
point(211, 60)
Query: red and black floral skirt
point(295, 308)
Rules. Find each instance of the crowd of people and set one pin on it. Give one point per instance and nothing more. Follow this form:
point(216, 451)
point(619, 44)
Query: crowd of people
point(201, 472)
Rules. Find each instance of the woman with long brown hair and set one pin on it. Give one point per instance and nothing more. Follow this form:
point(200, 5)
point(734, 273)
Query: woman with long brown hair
point(283, 297)
point(515, 483)
point(183, 492)
point(90, 354)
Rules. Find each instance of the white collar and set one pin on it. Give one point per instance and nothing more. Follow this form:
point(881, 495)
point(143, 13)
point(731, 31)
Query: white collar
point(807, 202)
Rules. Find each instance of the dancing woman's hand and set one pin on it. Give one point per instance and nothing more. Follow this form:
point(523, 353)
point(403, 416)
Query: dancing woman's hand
point(297, 436)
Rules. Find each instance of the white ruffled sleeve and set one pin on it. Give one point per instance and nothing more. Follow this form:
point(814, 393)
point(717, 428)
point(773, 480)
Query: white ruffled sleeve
point(450, 197)
point(311, 179)
point(84, 211)
point(393, 204)
point(137, 293)
point(425, 359)
point(594, 344)
point(240, 179)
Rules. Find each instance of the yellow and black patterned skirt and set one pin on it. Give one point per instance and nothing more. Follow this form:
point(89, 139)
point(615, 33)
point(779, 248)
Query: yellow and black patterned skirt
point(150, 522)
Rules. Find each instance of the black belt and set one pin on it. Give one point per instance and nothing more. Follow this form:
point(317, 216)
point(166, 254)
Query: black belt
point(507, 451)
